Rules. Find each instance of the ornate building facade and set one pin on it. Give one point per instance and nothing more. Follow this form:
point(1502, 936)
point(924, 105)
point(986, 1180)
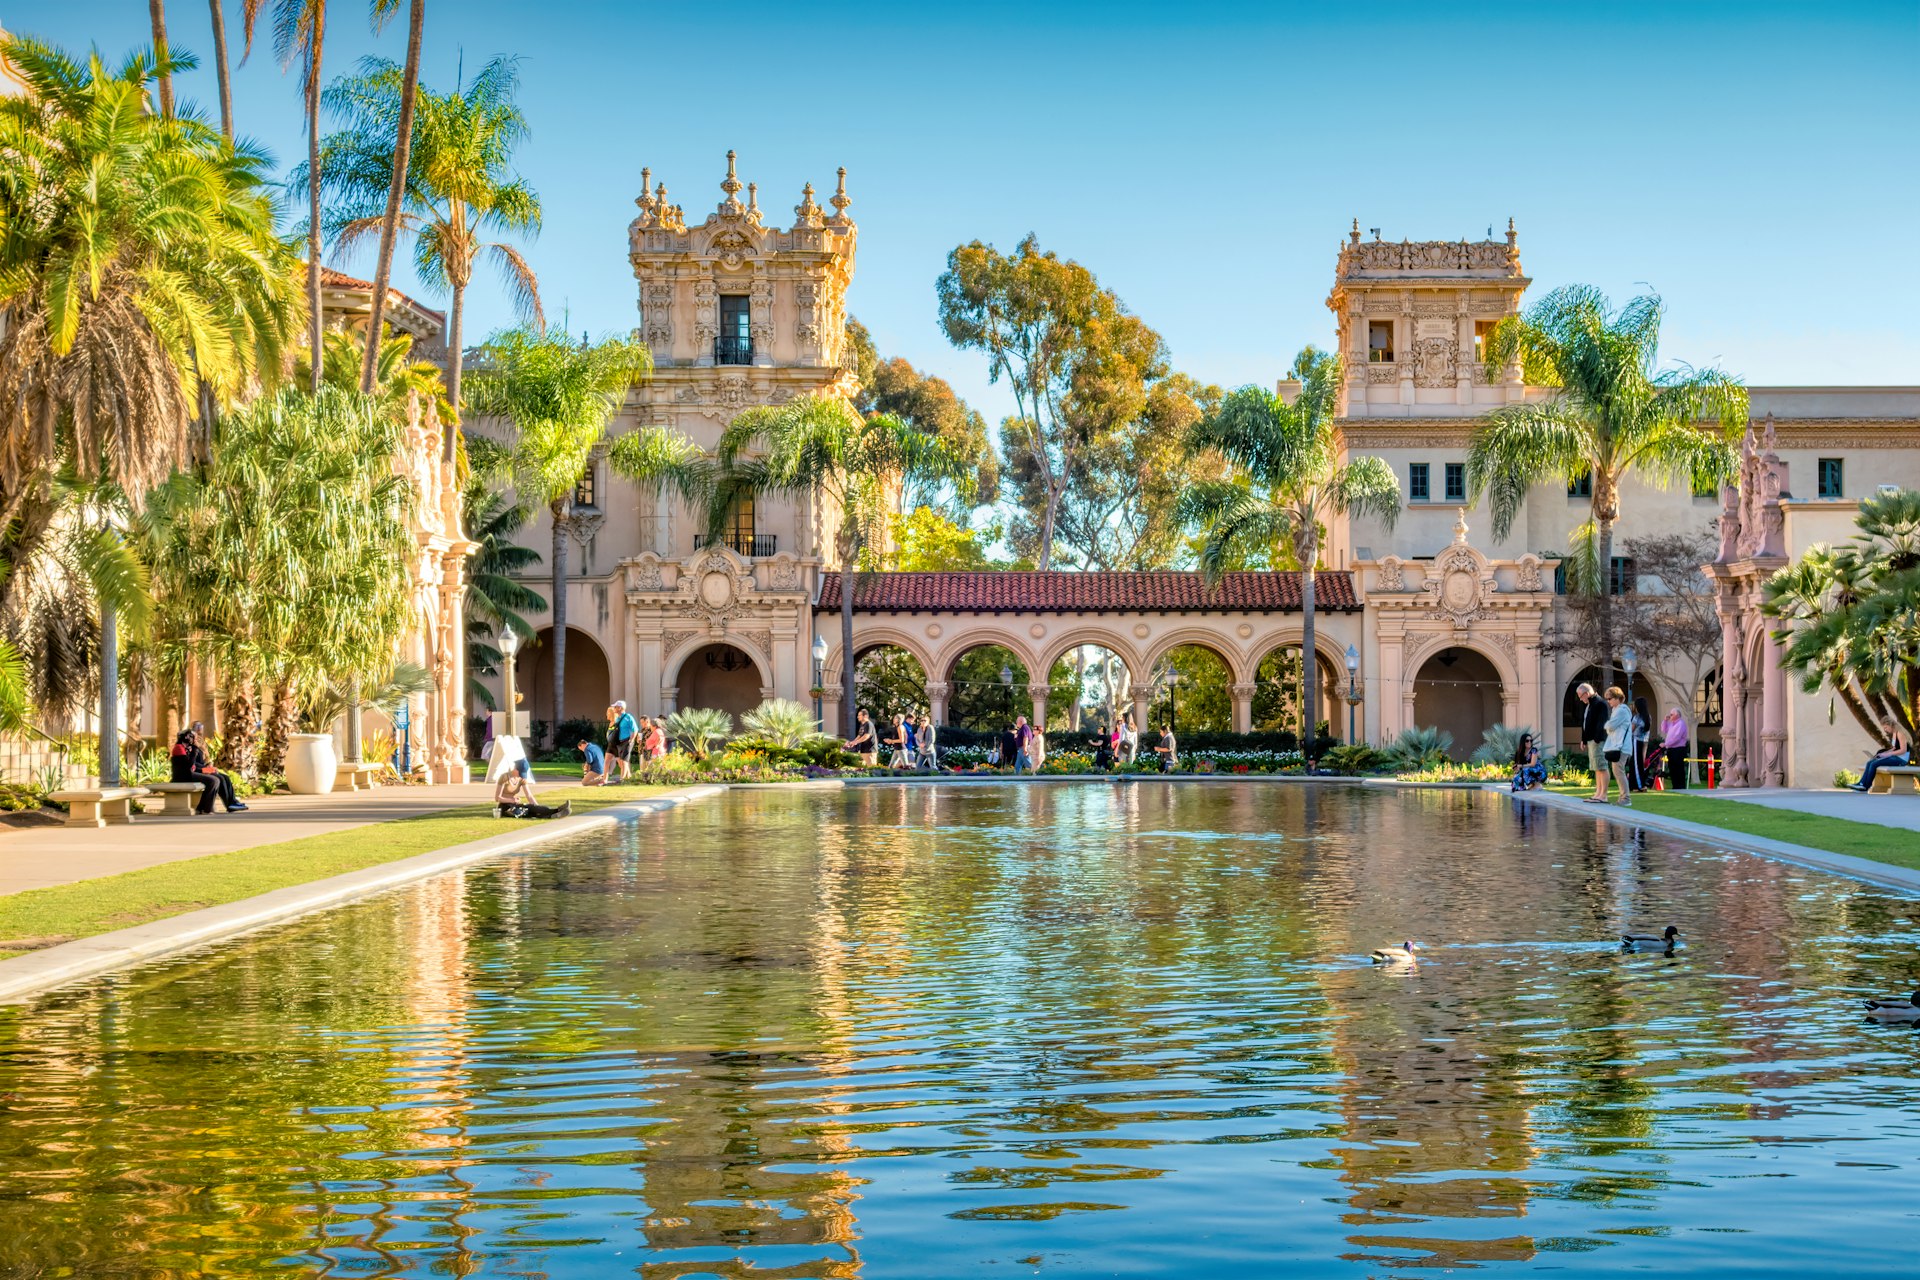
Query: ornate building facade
point(1430, 622)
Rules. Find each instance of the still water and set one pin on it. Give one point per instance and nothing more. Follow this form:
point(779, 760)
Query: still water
point(1065, 1030)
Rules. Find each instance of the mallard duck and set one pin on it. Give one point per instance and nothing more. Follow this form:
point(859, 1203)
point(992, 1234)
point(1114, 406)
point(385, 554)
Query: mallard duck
point(1666, 940)
point(1907, 1010)
point(1386, 955)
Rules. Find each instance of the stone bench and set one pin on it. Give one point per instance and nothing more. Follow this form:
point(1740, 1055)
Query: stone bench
point(1884, 779)
point(356, 777)
point(97, 806)
point(179, 797)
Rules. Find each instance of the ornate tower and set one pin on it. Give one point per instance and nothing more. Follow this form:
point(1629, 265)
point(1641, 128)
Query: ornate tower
point(1412, 319)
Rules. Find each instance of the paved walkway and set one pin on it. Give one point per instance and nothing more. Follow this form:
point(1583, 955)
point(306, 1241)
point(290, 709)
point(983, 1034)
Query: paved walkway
point(35, 857)
point(1885, 810)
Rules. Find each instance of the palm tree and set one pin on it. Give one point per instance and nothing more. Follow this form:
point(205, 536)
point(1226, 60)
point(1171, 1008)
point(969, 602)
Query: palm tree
point(559, 399)
point(1287, 481)
point(496, 600)
point(460, 186)
point(1610, 416)
point(299, 31)
point(820, 447)
point(396, 189)
point(96, 514)
point(221, 68)
point(287, 561)
point(157, 16)
point(137, 255)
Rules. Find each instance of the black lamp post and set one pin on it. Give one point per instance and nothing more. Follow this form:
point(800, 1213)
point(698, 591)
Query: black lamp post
point(1353, 687)
point(509, 644)
point(1006, 684)
point(819, 663)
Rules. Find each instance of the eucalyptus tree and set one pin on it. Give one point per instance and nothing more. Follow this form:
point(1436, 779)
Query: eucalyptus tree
point(1610, 415)
point(461, 187)
point(817, 446)
point(559, 398)
point(1286, 479)
point(286, 561)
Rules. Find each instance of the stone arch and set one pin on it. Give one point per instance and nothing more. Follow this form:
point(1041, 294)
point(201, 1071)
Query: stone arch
point(707, 676)
point(1098, 638)
point(1201, 638)
point(957, 646)
point(1331, 658)
point(677, 661)
point(589, 677)
point(1465, 705)
point(1163, 698)
point(871, 637)
point(962, 701)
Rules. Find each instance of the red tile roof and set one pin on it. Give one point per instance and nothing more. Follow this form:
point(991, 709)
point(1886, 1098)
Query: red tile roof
point(1069, 592)
point(341, 280)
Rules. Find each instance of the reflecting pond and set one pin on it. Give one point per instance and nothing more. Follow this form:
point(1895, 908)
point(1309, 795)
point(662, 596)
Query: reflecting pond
point(1070, 1029)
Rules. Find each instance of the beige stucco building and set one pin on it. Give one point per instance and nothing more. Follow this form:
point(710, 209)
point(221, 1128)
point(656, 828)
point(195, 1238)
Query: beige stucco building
point(1446, 622)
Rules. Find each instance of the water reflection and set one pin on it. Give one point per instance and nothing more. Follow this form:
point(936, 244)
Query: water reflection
point(919, 1032)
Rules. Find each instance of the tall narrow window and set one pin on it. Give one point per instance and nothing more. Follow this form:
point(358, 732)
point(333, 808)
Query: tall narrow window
point(587, 492)
point(1380, 341)
point(1419, 482)
point(1623, 579)
point(1582, 486)
point(1832, 478)
point(735, 343)
point(1456, 482)
point(740, 525)
point(1482, 339)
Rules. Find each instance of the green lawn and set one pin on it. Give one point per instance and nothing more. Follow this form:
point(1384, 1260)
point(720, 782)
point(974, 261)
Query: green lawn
point(43, 917)
point(1891, 845)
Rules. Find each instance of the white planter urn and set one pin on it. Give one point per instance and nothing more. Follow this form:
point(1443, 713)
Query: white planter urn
point(311, 764)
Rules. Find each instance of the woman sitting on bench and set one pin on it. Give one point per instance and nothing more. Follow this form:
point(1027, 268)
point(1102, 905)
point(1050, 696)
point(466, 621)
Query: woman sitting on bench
point(189, 763)
point(1897, 751)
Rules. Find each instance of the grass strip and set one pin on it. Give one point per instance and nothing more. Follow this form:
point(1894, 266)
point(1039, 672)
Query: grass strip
point(36, 918)
point(1895, 846)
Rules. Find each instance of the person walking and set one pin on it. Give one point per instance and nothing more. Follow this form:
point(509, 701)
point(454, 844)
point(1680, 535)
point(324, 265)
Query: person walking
point(928, 756)
point(653, 745)
point(1168, 750)
point(1618, 743)
point(1129, 739)
point(1593, 736)
point(900, 743)
point(865, 742)
point(1022, 745)
point(1673, 742)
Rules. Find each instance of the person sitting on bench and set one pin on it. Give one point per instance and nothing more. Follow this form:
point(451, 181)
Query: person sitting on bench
point(189, 763)
point(1897, 751)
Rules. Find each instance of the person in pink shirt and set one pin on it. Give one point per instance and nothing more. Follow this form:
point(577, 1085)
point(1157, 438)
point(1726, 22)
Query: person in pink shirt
point(1673, 740)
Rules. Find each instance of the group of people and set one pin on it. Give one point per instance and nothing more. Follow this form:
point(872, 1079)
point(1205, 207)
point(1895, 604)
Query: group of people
point(188, 762)
point(911, 743)
point(626, 739)
point(1625, 746)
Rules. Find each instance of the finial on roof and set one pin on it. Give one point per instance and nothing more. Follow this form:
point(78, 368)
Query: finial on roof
point(840, 199)
point(1511, 236)
point(1353, 236)
point(730, 183)
point(646, 182)
point(1460, 528)
point(753, 199)
point(807, 213)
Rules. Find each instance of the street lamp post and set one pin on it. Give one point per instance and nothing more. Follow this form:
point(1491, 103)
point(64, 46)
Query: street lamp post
point(1173, 702)
point(819, 677)
point(509, 645)
point(1006, 683)
point(1629, 663)
point(1353, 687)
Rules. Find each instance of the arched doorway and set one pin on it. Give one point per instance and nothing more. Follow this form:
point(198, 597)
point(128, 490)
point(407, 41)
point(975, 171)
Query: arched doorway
point(722, 677)
point(1192, 692)
point(1460, 691)
point(589, 686)
point(888, 681)
point(1278, 698)
point(987, 688)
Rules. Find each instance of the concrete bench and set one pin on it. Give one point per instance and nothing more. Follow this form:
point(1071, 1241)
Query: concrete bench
point(179, 797)
point(97, 806)
point(356, 777)
point(1884, 780)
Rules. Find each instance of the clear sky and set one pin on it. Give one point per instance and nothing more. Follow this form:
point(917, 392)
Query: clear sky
point(1756, 163)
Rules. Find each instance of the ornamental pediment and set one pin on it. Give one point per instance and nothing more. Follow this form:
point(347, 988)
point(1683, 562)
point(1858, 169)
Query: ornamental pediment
point(714, 583)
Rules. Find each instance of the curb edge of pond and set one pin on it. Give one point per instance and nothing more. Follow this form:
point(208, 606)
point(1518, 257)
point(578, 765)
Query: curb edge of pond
point(1882, 874)
point(37, 972)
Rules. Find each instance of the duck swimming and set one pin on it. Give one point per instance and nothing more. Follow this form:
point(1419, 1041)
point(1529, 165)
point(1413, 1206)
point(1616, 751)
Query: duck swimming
point(1386, 955)
point(1666, 940)
point(1907, 1010)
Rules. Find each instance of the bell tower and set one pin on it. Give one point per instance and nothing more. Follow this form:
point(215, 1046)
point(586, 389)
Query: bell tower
point(1413, 319)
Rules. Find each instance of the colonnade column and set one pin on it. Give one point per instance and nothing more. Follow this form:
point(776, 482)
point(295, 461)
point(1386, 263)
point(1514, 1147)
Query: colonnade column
point(1243, 707)
point(1773, 715)
point(937, 691)
point(1142, 703)
point(1039, 692)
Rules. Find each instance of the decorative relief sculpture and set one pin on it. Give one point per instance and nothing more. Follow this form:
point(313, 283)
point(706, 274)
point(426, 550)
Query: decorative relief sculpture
point(1434, 362)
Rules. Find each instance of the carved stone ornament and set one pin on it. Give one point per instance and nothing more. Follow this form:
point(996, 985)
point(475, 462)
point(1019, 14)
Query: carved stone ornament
point(643, 574)
point(1460, 584)
point(1391, 576)
point(584, 526)
point(1434, 362)
point(1527, 576)
point(783, 574)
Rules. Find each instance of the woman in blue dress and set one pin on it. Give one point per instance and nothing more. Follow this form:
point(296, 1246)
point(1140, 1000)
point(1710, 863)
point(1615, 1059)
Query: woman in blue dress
point(1528, 772)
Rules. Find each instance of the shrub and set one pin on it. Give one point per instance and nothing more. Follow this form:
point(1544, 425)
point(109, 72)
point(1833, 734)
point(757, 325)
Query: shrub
point(698, 728)
point(1419, 748)
point(17, 796)
point(781, 721)
point(1569, 762)
point(1354, 759)
point(1498, 745)
point(1845, 777)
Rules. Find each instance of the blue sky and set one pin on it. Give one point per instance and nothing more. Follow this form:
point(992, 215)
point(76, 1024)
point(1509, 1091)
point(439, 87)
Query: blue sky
point(1755, 163)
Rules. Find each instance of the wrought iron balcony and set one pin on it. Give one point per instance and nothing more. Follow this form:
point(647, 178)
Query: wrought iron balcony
point(751, 545)
point(733, 349)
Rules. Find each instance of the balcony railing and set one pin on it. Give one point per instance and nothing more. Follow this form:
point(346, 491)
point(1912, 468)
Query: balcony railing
point(733, 349)
point(751, 545)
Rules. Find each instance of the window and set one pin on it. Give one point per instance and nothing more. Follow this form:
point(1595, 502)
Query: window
point(1581, 487)
point(1419, 482)
point(1380, 341)
point(1832, 473)
point(1482, 336)
point(740, 525)
point(1622, 580)
point(1456, 482)
point(1706, 488)
point(735, 343)
point(586, 493)
point(1560, 577)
